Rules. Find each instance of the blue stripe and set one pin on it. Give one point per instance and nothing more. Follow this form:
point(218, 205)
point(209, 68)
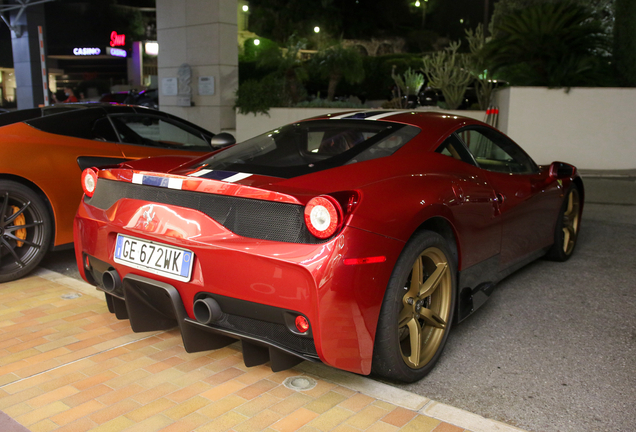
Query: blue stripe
point(218, 175)
point(155, 181)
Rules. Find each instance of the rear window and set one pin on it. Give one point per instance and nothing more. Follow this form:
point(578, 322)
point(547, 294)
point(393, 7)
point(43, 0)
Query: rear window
point(312, 146)
point(75, 123)
point(18, 116)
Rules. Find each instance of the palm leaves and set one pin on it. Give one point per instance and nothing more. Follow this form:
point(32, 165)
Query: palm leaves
point(337, 63)
point(552, 44)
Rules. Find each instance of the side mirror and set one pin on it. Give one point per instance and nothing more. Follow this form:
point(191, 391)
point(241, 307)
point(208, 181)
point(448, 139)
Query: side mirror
point(561, 170)
point(222, 139)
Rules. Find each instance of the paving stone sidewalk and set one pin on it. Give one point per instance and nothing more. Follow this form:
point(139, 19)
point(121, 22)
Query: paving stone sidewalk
point(67, 364)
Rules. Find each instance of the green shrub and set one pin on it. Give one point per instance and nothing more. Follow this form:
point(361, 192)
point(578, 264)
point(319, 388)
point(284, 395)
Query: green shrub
point(258, 96)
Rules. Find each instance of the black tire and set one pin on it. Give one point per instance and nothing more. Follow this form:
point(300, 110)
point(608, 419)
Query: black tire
point(566, 231)
point(25, 230)
point(426, 307)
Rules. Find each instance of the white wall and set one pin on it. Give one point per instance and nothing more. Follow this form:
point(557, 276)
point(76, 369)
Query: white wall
point(592, 128)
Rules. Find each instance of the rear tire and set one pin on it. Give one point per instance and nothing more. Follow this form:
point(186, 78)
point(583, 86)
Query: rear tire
point(25, 230)
point(567, 227)
point(417, 310)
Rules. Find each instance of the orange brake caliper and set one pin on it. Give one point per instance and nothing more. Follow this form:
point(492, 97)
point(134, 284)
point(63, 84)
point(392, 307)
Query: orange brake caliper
point(20, 220)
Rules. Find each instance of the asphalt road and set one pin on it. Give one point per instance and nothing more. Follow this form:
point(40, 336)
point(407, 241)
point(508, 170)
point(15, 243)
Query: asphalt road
point(554, 347)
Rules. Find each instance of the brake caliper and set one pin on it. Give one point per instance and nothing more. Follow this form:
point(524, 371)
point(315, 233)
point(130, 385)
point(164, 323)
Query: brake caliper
point(19, 220)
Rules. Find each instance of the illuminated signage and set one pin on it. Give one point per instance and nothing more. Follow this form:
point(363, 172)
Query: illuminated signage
point(117, 52)
point(86, 51)
point(152, 48)
point(117, 39)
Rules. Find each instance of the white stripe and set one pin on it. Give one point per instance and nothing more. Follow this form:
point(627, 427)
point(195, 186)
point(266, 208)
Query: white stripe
point(174, 183)
point(379, 116)
point(237, 177)
point(138, 178)
point(200, 173)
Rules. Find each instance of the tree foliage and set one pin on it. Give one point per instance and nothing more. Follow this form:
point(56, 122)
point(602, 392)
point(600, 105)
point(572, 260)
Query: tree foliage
point(603, 10)
point(555, 44)
point(287, 64)
point(350, 19)
point(625, 41)
point(337, 63)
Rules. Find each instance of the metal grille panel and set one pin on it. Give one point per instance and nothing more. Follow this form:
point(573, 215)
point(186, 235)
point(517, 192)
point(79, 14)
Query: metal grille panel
point(265, 220)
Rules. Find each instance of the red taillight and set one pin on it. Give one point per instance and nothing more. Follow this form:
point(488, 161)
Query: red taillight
point(302, 324)
point(323, 216)
point(89, 181)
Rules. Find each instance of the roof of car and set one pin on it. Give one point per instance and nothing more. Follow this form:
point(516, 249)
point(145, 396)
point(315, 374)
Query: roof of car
point(33, 113)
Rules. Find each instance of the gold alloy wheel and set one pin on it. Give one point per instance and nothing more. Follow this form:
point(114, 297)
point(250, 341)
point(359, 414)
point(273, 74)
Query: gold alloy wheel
point(570, 224)
point(426, 309)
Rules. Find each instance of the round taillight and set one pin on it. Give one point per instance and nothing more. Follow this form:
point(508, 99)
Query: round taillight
point(89, 181)
point(302, 324)
point(323, 216)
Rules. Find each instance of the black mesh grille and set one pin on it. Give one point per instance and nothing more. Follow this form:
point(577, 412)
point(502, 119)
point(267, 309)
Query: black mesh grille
point(274, 333)
point(252, 218)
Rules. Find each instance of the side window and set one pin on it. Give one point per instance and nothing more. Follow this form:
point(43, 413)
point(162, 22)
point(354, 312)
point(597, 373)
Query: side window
point(155, 131)
point(454, 148)
point(103, 130)
point(494, 152)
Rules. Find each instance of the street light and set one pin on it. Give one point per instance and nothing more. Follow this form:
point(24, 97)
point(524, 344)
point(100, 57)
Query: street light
point(257, 42)
point(316, 29)
point(245, 8)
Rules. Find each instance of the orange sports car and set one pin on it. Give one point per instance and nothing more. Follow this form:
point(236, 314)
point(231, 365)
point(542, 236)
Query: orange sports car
point(43, 152)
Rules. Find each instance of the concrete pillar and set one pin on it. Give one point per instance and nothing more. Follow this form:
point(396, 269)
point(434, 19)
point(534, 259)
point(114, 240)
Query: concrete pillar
point(26, 56)
point(136, 66)
point(203, 35)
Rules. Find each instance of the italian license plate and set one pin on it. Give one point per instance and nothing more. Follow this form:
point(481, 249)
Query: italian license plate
point(160, 259)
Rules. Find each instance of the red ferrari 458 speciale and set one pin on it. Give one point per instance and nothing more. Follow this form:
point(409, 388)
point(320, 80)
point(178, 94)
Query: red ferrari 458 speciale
point(354, 239)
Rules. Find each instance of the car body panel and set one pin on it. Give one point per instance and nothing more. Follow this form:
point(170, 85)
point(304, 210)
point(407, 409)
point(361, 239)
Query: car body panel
point(50, 161)
point(493, 222)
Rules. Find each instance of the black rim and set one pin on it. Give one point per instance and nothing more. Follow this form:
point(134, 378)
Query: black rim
point(21, 232)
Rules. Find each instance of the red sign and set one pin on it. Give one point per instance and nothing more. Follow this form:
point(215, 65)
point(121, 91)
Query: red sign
point(117, 39)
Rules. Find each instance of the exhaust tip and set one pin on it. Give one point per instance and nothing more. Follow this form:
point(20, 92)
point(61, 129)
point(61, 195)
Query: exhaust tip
point(207, 310)
point(111, 281)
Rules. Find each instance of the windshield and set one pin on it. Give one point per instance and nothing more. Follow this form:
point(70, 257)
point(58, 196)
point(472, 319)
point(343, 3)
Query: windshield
point(312, 146)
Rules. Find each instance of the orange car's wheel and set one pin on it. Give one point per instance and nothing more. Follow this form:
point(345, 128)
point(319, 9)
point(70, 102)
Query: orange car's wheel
point(25, 230)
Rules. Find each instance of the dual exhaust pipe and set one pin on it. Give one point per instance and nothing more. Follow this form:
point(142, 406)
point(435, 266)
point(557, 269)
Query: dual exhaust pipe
point(111, 281)
point(206, 310)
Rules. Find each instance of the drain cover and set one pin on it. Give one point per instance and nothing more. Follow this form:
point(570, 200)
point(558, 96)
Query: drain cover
point(71, 296)
point(300, 383)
